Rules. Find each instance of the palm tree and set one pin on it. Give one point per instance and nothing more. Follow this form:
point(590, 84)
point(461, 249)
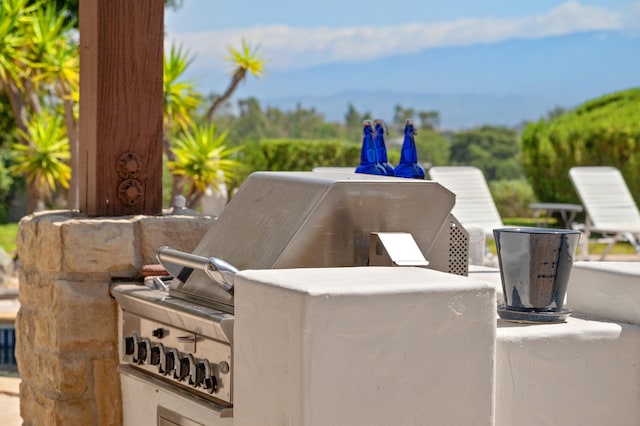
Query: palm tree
point(43, 160)
point(55, 68)
point(38, 68)
point(202, 160)
point(429, 119)
point(13, 37)
point(244, 60)
point(180, 100)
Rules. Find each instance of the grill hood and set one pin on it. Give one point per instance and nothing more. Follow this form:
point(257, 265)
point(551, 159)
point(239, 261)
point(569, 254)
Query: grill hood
point(310, 219)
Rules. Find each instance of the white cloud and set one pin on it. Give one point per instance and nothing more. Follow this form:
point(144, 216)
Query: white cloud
point(632, 21)
point(288, 47)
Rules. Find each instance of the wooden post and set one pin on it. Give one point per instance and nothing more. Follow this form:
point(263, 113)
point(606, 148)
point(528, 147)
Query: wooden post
point(121, 48)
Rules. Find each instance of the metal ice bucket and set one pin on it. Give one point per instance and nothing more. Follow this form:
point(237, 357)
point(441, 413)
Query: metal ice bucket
point(535, 264)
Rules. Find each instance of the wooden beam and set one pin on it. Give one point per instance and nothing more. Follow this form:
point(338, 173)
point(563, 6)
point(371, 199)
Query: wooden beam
point(121, 48)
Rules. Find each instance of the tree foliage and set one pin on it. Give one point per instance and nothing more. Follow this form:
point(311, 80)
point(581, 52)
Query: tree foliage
point(202, 159)
point(433, 148)
point(44, 159)
point(7, 184)
point(512, 197)
point(70, 8)
point(602, 131)
point(494, 150)
point(428, 120)
point(253, 123)
point(354, 119)
point(8, 133)
point(39, 73)
point(245, 60)
point(286, 154)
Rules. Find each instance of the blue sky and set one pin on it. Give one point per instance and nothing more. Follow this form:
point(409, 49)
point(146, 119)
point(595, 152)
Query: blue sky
point(299, 36)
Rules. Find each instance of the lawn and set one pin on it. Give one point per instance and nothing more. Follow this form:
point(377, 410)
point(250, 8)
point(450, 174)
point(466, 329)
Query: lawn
point(8, 234)
point(622, 247)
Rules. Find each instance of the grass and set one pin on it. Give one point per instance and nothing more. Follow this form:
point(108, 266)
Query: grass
point(526, 221)
point(622, 247)
point(8, 233)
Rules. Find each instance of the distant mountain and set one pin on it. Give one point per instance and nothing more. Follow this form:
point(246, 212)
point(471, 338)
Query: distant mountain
point(503, 83)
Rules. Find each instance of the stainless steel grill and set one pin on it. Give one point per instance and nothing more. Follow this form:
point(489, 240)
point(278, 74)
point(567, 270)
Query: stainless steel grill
point(181, 332)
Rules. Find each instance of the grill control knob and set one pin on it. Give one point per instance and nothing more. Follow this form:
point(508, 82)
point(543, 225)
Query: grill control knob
point(211, 384)
point(158, 332)
point(129, 345)
point(170, 358)
point(154, 358)
point(200, 373)
point(182, 369)
point(141, 353)
point(144, 348)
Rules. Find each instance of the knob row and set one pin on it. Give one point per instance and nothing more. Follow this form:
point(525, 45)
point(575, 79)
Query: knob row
point(185, 368)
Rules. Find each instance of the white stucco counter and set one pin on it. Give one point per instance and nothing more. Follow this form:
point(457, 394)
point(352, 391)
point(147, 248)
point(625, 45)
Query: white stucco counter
point(363, 346)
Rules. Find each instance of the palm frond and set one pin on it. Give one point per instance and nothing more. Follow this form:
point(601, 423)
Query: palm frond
point(246, 59)
point(203, 158)
point(44, 160)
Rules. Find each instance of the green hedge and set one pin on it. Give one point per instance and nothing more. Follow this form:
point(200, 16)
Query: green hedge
point(512, 197)
point(601, 132)
point(302, 154)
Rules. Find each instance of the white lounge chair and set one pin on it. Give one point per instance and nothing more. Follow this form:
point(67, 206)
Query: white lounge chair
point(474, 203)
point(611, 210)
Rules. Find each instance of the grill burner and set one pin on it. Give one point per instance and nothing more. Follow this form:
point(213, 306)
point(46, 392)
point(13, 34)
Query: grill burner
point(180, 334)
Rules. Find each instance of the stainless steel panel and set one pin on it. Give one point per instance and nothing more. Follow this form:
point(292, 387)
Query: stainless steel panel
point(306, 219)
point(395, 249)
point(185, 342)
point(171, 418)
point(157, 305)
point(145, 398)
point(450, 250)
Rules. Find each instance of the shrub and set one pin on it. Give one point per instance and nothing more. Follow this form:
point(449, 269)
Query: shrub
point(601, 132)
point(494, 150)
point(298, 155)
point(433, 149)
point(512, 197)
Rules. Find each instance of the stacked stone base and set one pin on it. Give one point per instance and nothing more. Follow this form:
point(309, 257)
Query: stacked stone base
point(67, 324)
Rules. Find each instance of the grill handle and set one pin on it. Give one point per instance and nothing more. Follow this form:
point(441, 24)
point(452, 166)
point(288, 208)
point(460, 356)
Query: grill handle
point(219, 271)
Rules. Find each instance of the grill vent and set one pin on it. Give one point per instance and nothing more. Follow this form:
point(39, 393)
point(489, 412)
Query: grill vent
point(458, 250)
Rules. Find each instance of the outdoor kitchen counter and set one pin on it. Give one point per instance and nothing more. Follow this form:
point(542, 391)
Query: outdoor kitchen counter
point(608, 290)
point(582, 372)
point(363, 345)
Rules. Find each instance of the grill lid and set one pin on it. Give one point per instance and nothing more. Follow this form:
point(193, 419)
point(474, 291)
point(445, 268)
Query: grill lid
point(307, 219)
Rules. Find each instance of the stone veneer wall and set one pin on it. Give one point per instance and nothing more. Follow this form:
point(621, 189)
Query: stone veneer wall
point(67, 349)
